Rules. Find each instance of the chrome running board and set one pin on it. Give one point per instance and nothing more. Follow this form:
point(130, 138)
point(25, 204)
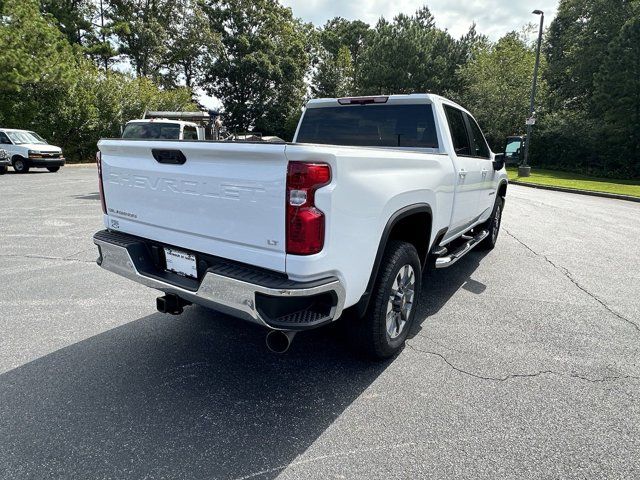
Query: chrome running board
point(453, 257)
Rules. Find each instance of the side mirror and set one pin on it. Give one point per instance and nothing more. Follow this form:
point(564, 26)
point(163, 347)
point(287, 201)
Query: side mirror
point(498, 161)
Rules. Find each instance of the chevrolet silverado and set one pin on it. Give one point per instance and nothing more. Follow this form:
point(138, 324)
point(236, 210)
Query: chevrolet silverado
point(341, 222)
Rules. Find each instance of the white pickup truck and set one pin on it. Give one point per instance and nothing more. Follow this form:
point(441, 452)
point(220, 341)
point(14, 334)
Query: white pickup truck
point(341, 222)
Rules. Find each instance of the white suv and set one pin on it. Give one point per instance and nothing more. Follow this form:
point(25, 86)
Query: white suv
point(29, 150)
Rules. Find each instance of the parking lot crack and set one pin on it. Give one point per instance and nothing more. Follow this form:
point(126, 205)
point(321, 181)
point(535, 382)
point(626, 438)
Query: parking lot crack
point(329, 456)
point(568, 274)
point(512, 376)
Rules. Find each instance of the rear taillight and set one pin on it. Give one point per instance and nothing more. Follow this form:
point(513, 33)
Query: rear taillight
point(99, 164)
point(305, 223)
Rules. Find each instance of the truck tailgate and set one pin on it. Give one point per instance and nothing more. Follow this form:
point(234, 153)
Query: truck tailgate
point(226, 199)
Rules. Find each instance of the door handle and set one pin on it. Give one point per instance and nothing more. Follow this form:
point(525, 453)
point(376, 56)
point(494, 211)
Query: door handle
point(462, 173)
point(484, 172)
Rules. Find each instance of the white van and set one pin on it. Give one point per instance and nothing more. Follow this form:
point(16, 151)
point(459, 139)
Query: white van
point(28, 150)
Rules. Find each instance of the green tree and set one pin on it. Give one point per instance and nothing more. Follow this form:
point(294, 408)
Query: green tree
point(259, 74)
point(337, 38)
point(83, 24)
point(409, 55)
point(99, 45)
point(193, 45)
point(497, 85)
point(463, 51)
point(74, 18)
point(141, 28)
point(334, 75)
point(576, 46)
point(33, 52)
point(591, 70)
point(617, 101)
point(51, 88)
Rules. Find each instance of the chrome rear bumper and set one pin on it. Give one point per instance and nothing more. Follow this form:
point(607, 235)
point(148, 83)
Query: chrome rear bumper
point(232, 296)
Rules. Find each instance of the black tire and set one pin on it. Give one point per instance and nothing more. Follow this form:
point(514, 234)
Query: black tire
point(3, 170)
point(373, 329)
point(20, 166)
point(493, 226)
point(53, 169)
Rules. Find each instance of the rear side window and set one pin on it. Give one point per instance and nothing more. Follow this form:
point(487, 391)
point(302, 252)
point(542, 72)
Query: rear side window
point(167, 131)
point(370, 126)
point(480, 147)
point(458, 128)
point(190, 133)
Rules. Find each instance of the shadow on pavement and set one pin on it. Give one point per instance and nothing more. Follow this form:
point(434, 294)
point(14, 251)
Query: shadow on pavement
point(195, 396)
point(88, 196)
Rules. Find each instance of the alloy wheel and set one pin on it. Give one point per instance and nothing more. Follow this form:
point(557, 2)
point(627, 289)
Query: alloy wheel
point(496, 224)
point(401, 301)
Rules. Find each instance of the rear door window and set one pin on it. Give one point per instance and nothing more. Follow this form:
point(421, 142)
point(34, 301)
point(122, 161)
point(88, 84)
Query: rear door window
point(190, 133)
point(370, 126)
point(479, 145)
point(458, 129)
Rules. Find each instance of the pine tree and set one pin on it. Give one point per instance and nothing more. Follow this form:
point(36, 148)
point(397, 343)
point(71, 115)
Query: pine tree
point(617, 100)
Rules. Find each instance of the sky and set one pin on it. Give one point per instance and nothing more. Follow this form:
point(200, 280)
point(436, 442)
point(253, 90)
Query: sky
point(493, 18)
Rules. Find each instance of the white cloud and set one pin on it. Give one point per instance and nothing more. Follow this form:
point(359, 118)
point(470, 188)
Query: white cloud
point(493, 17)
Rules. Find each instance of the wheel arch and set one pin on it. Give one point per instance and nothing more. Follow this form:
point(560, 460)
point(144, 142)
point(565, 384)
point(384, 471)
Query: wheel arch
point(413, 224)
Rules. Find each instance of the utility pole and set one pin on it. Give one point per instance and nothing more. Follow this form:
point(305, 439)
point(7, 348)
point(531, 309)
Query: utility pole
point(525, 170)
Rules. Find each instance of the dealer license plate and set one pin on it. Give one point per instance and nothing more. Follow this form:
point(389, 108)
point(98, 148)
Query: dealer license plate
point(180, 262)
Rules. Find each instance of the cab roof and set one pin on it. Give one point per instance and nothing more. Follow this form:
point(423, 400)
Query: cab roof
point(400, 99)
point(163, 120)
point(379, 99)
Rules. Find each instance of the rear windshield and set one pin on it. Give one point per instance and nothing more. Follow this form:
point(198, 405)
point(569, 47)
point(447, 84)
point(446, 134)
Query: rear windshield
point(170, 131)
point(370, 126)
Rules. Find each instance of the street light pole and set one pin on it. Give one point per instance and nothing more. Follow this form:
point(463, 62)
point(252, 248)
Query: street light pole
point(525, 169)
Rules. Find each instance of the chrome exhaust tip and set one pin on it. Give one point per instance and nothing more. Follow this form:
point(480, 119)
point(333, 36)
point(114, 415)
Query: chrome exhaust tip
point(279, 341)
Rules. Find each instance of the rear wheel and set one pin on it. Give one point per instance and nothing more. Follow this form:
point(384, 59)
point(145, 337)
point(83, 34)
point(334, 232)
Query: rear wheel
point(53, 169)
point(493, 226)
point(392, 307)
point(3, 170)
point(19, 165)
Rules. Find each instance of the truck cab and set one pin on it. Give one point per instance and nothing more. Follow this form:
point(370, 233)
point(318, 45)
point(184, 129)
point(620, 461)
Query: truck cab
point(514, 149)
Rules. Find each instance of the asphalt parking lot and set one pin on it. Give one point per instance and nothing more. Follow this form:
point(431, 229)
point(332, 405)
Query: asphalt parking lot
point(525, 362)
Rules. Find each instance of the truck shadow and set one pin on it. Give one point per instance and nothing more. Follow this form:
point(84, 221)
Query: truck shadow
point(195, 396)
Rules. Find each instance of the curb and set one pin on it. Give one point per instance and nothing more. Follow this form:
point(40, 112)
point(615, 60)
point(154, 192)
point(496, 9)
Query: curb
point(579, 192)
point(80, 165)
